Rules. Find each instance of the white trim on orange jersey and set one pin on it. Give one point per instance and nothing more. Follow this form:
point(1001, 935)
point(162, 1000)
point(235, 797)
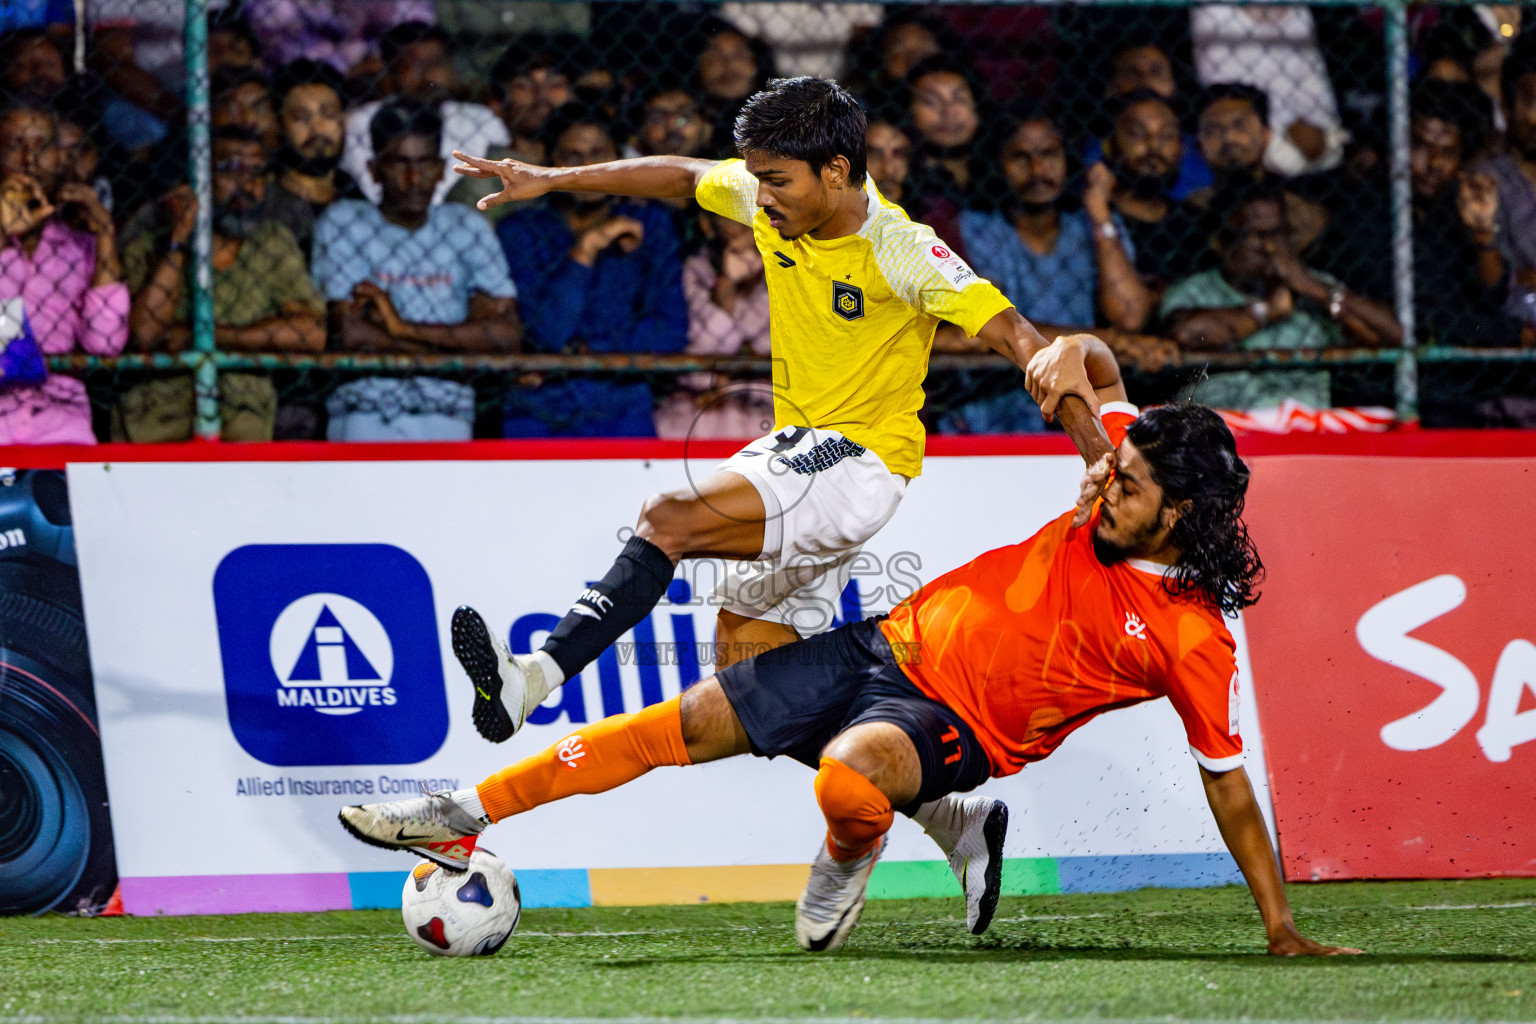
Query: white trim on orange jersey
point(1217, 764)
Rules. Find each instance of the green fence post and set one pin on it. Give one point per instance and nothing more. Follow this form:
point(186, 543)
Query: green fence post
point(199, 159)
point(1407, 383)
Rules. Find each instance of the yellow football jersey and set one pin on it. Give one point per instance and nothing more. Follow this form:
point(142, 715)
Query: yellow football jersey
point(853, 318)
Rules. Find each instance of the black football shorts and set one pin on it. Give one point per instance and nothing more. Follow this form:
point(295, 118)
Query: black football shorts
point(793, 700)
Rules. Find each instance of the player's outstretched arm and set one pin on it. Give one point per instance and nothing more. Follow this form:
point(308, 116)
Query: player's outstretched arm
point(1077, 365)
point(1242, 828)
point(650, 177)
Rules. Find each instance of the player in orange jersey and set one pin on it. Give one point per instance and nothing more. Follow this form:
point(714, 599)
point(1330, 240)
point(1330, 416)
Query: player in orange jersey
point(980, 672)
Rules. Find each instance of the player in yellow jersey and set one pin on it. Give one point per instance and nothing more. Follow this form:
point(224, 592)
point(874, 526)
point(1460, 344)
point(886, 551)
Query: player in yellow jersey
point(856, 291)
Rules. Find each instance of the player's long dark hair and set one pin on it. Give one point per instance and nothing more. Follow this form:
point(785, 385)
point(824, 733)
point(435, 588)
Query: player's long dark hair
point(1193, 458)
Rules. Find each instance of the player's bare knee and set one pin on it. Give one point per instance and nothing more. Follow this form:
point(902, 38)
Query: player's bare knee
point(883, 754)
point(711, 729)
point(696, 713)
point(668, 521)
point(858, 756)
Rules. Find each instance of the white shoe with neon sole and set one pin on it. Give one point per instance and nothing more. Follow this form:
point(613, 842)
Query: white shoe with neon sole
point(433, 827)
point(833, 899)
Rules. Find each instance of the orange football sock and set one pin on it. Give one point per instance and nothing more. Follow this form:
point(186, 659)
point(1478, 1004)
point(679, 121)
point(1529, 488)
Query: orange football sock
point(857, 813)
point(600, 757)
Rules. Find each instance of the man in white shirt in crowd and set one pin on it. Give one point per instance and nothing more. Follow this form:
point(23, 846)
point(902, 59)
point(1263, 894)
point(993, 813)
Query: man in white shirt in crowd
point(418, 68)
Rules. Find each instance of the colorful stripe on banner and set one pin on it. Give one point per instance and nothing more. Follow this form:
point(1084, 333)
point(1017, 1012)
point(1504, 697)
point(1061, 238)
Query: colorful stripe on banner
point(575, 887)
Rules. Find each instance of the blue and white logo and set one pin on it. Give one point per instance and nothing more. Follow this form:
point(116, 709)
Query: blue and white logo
point(326, 645)
point(330, 654)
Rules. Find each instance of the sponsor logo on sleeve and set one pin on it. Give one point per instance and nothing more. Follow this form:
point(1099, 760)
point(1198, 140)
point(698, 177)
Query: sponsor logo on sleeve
point(950, 267)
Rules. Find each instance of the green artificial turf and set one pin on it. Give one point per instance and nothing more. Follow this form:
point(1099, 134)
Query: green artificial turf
point(1436, 950)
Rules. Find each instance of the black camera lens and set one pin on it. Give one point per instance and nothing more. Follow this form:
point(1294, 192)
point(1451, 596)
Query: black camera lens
point(21, 814)
point(55, 829)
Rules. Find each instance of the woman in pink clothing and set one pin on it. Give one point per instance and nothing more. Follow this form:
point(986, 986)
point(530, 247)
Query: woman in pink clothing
point(727, 315)
point(60, 258)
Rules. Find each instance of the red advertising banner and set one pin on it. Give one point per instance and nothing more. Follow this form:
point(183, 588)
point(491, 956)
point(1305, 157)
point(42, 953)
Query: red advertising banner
point(1394, 663)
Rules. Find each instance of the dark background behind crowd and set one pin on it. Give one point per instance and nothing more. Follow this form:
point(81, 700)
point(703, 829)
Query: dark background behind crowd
point(1188, 182)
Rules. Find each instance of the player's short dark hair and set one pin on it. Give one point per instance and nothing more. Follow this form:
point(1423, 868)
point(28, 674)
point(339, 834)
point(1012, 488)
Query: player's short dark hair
point(805, 118)
point(1193, 458)
point(397, 120)
point(1255, 97)
point(1520, 62)
point(409, 33)
point(306, 72)
point(1459, 103)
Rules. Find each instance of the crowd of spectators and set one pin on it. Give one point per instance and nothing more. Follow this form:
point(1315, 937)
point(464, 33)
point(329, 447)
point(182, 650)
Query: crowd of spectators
point(1184, 181)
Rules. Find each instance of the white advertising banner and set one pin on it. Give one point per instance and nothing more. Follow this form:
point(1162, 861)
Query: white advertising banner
point(270, 642)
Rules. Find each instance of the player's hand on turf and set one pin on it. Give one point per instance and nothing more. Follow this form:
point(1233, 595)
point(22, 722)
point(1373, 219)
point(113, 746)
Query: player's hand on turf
point(519, 181)
point(1094, 482)
point(1290, 942)
point(1059, 370)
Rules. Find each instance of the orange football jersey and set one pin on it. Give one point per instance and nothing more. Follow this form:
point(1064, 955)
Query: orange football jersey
point(1029, 642)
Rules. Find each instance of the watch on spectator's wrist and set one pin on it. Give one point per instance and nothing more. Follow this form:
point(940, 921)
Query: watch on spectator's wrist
point(1260, 311)
point(1336, 301)
point(1108, 231)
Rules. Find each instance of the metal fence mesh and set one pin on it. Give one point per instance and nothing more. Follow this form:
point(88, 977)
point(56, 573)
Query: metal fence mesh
point(1207, 187)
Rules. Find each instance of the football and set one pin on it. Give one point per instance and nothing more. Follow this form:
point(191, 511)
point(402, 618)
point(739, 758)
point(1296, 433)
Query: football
point(467, 913)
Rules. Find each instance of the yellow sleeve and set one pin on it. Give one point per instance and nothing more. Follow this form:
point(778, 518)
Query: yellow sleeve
point(730, 190)
point(930, 278)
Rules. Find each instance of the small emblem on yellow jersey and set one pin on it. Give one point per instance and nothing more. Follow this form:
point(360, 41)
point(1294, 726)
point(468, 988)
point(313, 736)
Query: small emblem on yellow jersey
point(847, 300)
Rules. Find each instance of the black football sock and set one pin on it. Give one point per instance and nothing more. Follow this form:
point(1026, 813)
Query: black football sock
point(609, 608)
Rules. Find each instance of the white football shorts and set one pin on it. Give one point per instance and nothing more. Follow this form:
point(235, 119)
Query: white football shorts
point(824, 496)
